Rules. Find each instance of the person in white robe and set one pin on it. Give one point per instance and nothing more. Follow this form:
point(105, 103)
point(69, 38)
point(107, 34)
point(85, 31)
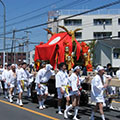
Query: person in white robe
point(41, 81)
point(75, 81)
point(118, 73)
point(11, 81)
point(1, 82)
point(5, 78)
point(98, 85)
point(22, 81)
point(62, 84)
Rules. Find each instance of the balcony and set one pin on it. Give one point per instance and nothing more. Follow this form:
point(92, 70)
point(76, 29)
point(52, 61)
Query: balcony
point(101, 34)
point(102, 21)
point(73, 22)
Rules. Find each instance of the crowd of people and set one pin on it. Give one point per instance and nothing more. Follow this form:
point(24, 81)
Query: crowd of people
point(15, 78)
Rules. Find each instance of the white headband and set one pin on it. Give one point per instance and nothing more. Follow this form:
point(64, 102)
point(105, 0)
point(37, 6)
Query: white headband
point(99, 68)
point(48, 67)
point(77, 67)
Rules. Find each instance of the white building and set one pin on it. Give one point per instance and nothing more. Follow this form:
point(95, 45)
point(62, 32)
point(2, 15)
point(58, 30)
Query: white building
point(104, 23)
point(99, 24)
point(32, 54)
point(107, 51)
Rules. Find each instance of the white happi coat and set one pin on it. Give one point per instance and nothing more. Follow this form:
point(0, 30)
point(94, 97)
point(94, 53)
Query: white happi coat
point(4, 74)
point(73, 81)
point(43, 76)
point(22, 75)
point(12, 79)
point(18, 72)
point(5, 77)
point(1, 71)
point(61, 79)
point(97, 89)
point(25, 75)
point(118, 74)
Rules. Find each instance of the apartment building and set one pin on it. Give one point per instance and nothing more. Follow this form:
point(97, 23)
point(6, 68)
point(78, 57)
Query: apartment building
point(100, 24)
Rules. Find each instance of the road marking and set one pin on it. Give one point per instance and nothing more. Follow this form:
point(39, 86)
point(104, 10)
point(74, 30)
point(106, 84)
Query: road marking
point(29, 110)
point(115, 101)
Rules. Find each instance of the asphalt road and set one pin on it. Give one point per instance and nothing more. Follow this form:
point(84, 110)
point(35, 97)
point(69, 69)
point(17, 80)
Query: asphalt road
point(30, 111)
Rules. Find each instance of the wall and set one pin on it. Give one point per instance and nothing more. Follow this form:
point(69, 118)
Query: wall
point(105, 55)
point(88, 26)
point(32, 53)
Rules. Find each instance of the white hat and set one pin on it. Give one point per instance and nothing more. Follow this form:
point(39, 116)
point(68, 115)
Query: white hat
point(6, 63)
point(13, 65)
point(24, 61)
point(48, 67)
point(77, 67)
point(99, 68)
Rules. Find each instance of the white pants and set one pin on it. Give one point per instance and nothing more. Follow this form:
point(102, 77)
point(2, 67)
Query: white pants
point(11, 85)
point(42, 90)
point(60, 95)
point(19, 87)
point(77, 93)
point(5, 85)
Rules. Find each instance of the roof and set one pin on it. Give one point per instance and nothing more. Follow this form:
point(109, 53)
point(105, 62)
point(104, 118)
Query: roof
point(114, 43)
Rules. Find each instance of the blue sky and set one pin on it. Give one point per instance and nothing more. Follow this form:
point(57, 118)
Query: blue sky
point(25, 13)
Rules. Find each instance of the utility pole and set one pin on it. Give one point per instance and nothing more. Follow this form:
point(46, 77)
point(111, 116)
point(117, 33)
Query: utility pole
point(27, 46)
point(13, 46)
point(4, 41)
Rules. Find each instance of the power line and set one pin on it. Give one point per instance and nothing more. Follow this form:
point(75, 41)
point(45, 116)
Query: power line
point(10, 38)
point(34, 11)
point(34, 17)
point(91, 24)
point(98, 39)
point(88, 11)
point(78, 40)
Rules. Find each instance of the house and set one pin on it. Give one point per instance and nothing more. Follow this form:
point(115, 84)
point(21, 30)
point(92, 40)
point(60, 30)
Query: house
point(107, 51)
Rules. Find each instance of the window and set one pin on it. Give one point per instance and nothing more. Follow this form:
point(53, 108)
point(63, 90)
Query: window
point(73, 22)
point(116, 53)
point(9, 54)
point(24, 54)
point(102, 34)
point(118, 34)
point(19, 54)
point(33, 56)
point(119, 21)
point(9, 60)
point(78, 35)
point(102, 21)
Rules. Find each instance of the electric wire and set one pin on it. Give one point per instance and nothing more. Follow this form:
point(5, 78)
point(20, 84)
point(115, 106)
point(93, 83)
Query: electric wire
point(32, 43)
point(82, 13)
point(45, 13)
